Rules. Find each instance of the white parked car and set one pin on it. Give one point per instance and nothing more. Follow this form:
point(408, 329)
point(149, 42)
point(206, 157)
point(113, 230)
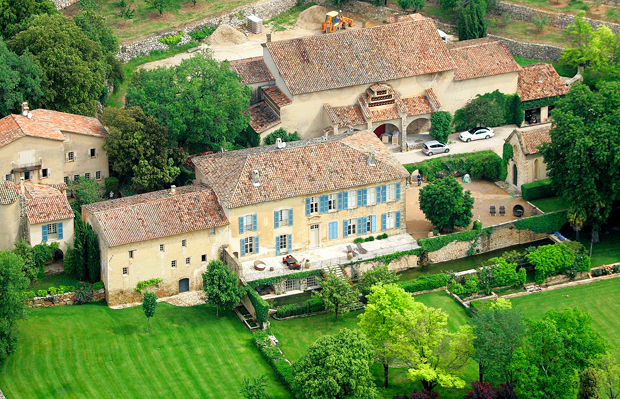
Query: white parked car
point(476, 133)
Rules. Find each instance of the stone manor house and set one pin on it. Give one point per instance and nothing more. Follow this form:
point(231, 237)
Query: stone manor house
point(388, 79)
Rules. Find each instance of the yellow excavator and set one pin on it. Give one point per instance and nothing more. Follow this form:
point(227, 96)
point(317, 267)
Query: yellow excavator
point(334, 21)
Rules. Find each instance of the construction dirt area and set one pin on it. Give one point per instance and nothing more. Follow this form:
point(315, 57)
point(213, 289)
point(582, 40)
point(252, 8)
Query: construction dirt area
point(228, 43)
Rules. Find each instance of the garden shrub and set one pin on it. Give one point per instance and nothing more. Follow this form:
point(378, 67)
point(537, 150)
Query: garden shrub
point(172, 40)
point(201, 34)
point(41, 292)
point(310, 306)
point(537, 190)
point(111, 184)
point(471, 284)
point(490, 109)
point(30, 294)
point(358, 240)
point(549, 260)
point(547, 223)
point(440, 126)
point(506, 274)
point(371, 238)
point(261, 307)
point(486, 165)
point(597, 273)
point(283, 134)
point(477, 225)
point(143, 284)
point(425, 283)
point(275, 358)
point(98, 285)
point(52, 290)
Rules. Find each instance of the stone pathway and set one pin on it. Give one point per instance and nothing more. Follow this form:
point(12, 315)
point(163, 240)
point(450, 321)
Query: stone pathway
point(185, 299)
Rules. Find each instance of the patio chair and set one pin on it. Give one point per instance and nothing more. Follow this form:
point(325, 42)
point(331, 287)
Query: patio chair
point(349, 249)
point(360, 248)
point(502, 210)
point(492, 210)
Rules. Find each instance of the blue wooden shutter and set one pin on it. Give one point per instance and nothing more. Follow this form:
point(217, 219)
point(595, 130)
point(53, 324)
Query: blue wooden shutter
point(44, 232)
point(333, 230)
point(365, 224)
point(242, 247)
point(360, 197)
point(384, 193)
point(345, 199)
point(397, 191)
point(373, 223)
point(397, 223)
point(276, 219)
point(290, 217)
point(360, 226)
point(277, 245)
point(383, 221)
point(256, 244)
point(340, 201)
point(378, 199)
point(241, 220)
point(60, 231)
point(323, 203)
point(345, 225)
point(254, 223)
point(290, 243)
point(365, 197)
point(307, 206)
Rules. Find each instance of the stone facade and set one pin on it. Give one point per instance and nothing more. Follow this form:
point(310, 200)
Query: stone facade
point(61, 300)
point(234, 18)
point(399, 264)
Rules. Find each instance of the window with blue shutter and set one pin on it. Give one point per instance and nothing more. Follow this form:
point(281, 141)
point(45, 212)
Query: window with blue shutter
point(383, 221)
point(373, 223)
point(60, 231)
point(277, 245)
point(323, 203)
point(290, 217)
point(378, 194)
point(44, 232)
point(364, 196)
point(384, 193)
point(397, 222)
point(276, 219)
point(254, 223)
point(360, 226)
point(397, 191)
point(333, 230)
point(340, 201)
point(307, 206)
point(360, 197)
point(256, 244)
point(345, 226)
point(241, 221)
point(290, 243)
point(345, 199)
point(365, 224)
point(242, 247)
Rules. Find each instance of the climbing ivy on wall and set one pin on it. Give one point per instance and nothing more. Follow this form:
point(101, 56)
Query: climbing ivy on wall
point(432, 244)
point(547, 223)
point(276, 279)
point(520, 112)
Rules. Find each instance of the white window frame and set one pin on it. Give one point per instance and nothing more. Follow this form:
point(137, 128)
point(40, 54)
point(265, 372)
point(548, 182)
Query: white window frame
point(248, 223)
point(188, 261)
point(130, 252)
point(292, 284)
point(391, 192)
point(352, 227)
point(352, 199)
point(283, 244)
point(46, 172)
point(87, 175)
point(390, 220)
point(371, 196)
point(98, 175)
point(173, 264)
point(125, 271)
point(70, 156)
point(332, 202)
point(249, 245)
point(52, 231)
point(92, 152)
point(283, 217)
point(314, 205)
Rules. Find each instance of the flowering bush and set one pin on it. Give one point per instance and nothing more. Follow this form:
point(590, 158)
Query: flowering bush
point(607, 269)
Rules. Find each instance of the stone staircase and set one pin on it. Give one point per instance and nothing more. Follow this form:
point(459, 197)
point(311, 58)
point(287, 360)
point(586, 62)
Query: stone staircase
point(335, 269)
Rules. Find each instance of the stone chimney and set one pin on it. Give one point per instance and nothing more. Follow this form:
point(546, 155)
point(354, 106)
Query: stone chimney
point(371, 159)
point(25, 108)
point(268, 37)
point(255, 178)
point(22, 190)
point(173, 189)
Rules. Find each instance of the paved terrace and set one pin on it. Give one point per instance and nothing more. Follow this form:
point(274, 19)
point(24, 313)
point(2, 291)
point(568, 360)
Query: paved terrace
point(322, 257)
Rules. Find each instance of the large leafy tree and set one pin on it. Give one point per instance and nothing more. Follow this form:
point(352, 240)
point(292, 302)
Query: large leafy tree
point(471, 23)
point(440, 126)
point(380, 274)
point(13, 283)
point(138, 148)
point(377, 321)
point(498, 334)
point(73, 65)
point(414, 5)
point(20, 80)
point(336, 367)
point(554, 350)
point(432, 353)
point(582, 158)
point(337, 294)
point(201, 101)
point(608, 371)
point(445, 204)
point(86, 191)
point(220, 286)
point(13, 13)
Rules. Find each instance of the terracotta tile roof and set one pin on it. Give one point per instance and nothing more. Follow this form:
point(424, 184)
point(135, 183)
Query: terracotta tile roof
point(45, 203)
point(262, 117)
point(305, 167)
point(531, 140)
point(417, 105)
point(157, 214)
point(384, 114)
point(362, 56)
point(477, 58)
point(277, 96)
point(345, 116)
point(252, 70)
point(539, 81)
point(9, 192)
point(432, 98)
point(47, 124)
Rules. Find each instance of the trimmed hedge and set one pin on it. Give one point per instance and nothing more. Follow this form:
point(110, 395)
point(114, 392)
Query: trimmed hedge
point(547, 223)
point(275, 358)
point(294, 309)
point(143, 284)
point(537, 190)
point(486, 165)
point(261, 307)
point(425, 283)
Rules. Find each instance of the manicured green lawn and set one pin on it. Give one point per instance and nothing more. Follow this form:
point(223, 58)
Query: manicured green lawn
point(550, 204)
point(601, 299)
point(297, 335)
point(92, 351)
point(605, 253)
point(54, 280)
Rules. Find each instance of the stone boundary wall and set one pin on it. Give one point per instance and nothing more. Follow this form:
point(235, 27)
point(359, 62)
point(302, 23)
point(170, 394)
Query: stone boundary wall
point(234, 18)
point(62, 4)
point(61, 300)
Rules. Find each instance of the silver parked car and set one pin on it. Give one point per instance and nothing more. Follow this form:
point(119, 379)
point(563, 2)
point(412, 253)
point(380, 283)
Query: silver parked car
point(476, 133)
point(434, 147)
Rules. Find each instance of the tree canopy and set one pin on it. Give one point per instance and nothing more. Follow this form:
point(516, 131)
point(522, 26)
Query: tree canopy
point(14, 13)
point(220, 286)
point(13, 283)
point(380, 274)
point(445, 204)
point(337, 294)
point(20, 80)
point(336, 367)
point(149, 304)
point(440, 126)
point(471, 23)
point(201, 101)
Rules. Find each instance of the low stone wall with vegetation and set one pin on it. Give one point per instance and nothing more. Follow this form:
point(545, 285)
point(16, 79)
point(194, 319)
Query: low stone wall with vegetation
point(67, 298)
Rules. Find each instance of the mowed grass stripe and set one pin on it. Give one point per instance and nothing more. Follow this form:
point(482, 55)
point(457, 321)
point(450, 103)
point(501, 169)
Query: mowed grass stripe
point(106, 353)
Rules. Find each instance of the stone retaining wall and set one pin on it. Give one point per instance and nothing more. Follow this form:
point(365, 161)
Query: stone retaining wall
point(60, 4)
point(61, 300)
point(234, 18)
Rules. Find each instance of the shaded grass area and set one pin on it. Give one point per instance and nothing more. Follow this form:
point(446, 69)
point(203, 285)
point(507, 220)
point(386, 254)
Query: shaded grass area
point(606, 12)
point(605, 253)
point(117, 99)
point(92, 351)
point(297, 335)
point(550, 204)
point(527, 32)
point(601, 299)
point(54, 280)
point(288, 18)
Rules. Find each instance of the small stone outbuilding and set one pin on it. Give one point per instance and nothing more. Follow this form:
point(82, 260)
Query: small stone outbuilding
point(527, 163)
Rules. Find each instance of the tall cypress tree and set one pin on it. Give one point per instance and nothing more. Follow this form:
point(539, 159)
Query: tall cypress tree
point(471, 23)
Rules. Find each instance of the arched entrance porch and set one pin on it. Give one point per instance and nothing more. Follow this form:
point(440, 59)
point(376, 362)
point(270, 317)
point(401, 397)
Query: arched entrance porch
point(388, 133)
